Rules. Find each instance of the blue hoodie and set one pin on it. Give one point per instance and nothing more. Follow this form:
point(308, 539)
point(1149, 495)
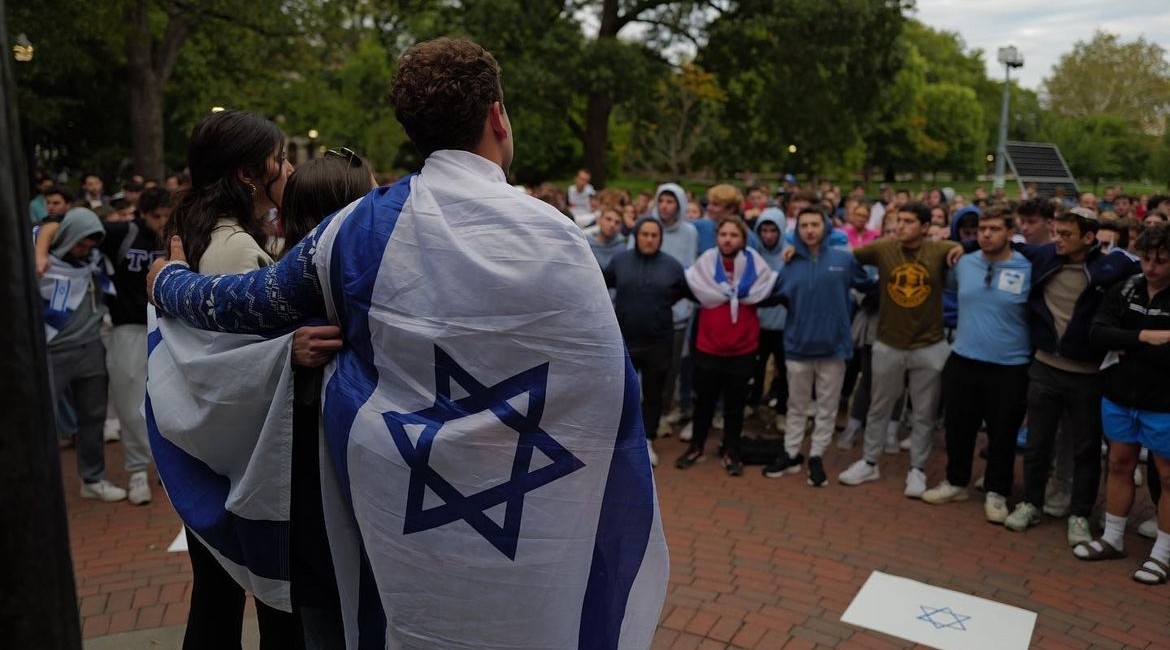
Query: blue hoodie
point(820, 309)
point(772, 318)
point(951, 295)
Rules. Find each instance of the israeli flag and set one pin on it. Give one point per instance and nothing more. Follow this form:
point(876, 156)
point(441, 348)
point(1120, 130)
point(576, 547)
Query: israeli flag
point(485, 476)
point(219, 415)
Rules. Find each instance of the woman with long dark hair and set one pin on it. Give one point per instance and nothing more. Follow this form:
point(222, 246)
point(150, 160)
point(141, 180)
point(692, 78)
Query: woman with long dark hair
point(238, 171)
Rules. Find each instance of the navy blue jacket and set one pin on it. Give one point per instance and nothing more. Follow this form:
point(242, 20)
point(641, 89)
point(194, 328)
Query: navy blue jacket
point(1104, 270)
point(647, 286)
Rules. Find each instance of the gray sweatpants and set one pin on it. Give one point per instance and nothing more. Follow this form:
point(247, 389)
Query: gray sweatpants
point(126, 360)
point(83, 369)
point(924, 367)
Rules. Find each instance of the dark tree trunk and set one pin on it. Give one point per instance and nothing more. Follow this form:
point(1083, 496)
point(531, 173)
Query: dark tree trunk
point(150, 66)
point(596, 139)
point(146, 123)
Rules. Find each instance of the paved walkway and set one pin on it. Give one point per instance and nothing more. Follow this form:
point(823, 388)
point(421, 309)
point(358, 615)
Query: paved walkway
point(755, 563)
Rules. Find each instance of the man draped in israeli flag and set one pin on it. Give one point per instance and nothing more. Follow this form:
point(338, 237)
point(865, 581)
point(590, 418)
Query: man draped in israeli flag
point(485, 477)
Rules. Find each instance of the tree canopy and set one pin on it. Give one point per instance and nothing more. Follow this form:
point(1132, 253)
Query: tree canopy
point(659, 87)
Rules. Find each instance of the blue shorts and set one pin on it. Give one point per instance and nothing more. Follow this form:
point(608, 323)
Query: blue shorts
point(1150, 429)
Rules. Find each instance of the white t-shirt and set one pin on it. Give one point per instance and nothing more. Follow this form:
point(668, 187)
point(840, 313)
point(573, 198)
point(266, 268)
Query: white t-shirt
point(579, 201)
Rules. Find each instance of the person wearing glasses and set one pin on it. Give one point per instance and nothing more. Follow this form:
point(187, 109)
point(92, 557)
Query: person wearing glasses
point(985, 378)
point(1070, 277)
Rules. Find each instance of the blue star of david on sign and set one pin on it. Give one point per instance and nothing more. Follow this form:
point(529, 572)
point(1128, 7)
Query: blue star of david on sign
point(472, 508)
point(941, 617)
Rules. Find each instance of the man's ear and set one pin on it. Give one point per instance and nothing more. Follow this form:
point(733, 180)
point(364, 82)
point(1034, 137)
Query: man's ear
point(498, 120)
point(243, 176)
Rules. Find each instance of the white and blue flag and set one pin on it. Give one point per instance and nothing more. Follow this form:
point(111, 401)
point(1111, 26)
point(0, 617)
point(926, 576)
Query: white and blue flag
point(219, 415)
point(485, 477)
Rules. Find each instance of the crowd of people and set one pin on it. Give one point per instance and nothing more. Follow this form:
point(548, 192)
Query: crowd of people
point(1016, 318)
point(1041, 322)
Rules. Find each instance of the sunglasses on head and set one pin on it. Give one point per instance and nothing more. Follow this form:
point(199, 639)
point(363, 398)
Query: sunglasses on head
point(348, 154)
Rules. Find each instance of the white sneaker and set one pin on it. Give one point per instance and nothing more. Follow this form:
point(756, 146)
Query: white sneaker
point(687, 432)
point(945, 493)
point(904, 445)
point(995, 508)
point(915, 483)
point(139, 493)
point(717, 422)
point(649, 450)
point(1022, 518)
point(1149, 528)
point(103, 490)
point(1079, 531)
point(112, 430)
point(664, 428)
point(858, 473)
point(673, 417)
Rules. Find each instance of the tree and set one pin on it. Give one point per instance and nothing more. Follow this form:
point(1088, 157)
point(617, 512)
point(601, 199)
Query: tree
point(952, 134)
point(1108, 77)
point(681, 119)
point(806, 76)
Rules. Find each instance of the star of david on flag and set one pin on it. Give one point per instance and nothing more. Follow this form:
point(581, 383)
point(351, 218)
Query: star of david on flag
point(427, 424)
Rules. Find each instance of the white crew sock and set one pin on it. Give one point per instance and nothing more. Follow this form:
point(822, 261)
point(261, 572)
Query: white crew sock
point(1114, 533)
point(1161, 550)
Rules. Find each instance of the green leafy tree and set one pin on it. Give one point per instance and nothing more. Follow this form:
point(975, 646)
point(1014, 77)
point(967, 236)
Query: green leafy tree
point(952, 133)
point(1106, 76)
point(681, 119)
point(806, 76)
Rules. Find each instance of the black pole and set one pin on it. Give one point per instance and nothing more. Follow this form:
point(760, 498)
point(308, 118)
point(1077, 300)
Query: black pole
point(38, 603)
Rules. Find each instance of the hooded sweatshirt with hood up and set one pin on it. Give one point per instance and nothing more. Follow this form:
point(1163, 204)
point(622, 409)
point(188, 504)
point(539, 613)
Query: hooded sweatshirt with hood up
point(951, 295)
point(680, 240)
point(772, 318)
point(646, 287)
point(84, 325)
point(820, 307)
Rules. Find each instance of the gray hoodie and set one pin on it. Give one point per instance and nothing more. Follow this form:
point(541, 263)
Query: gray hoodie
point(86, 322)
point(680, 240)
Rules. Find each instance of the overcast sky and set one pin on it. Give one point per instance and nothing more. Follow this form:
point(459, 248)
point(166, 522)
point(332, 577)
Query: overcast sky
point(1043, 30)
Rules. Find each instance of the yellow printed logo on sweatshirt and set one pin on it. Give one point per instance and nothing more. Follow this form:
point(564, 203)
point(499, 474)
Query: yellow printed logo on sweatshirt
point(909, 285)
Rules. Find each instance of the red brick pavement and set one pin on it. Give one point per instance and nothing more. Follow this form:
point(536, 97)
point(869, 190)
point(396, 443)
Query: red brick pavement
point(755, 562)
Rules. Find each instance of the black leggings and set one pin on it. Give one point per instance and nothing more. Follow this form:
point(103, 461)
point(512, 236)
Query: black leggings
point(216, 619)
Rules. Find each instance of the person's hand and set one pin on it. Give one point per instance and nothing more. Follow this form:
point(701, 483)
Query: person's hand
point(1154, 337)
point(953, 256)
point(314, 347)
point(43, 264)
point(174, 255)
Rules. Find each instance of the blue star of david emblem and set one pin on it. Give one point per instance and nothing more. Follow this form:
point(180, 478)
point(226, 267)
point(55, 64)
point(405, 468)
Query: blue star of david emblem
point(941, 617)
point(472, 508)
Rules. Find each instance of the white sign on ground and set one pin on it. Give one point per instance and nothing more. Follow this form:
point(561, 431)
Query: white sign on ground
point(180, 543)
point(938, 617)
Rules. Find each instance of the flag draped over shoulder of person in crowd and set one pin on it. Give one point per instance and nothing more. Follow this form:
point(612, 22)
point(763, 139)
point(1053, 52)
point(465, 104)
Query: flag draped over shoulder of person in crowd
point(219, 416)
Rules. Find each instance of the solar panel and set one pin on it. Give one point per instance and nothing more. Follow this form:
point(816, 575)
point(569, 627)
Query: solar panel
point(1040, 164)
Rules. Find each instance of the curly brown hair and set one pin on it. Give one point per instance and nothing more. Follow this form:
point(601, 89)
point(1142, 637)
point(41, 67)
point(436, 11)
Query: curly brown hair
point(442, 91)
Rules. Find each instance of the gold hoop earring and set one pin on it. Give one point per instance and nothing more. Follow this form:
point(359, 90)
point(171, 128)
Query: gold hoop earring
point(251, 191)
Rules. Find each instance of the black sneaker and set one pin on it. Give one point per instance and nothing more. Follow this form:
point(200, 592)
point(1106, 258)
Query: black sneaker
point(693, 455)
point(784, 464)
point(732, 464)
point(816, 472)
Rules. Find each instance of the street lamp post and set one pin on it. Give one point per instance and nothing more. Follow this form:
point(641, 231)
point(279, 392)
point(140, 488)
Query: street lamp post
point(1010, 57)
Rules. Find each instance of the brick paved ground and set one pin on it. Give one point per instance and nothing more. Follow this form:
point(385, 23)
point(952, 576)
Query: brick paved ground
point(755, 562)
